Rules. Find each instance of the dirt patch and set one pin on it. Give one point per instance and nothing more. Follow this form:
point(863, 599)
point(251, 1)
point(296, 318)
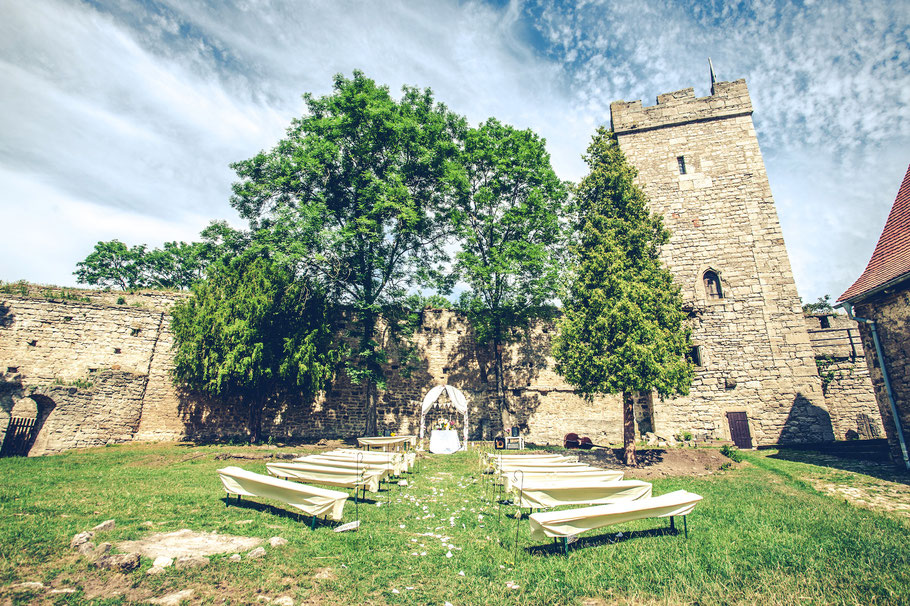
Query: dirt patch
point(880, 495)
point(659, 463)
point(113, 586)
point(185, 542)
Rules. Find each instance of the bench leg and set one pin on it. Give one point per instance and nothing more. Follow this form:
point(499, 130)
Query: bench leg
point(672, 525)
point(313, 523)
point(685, 526)
point(565, 546)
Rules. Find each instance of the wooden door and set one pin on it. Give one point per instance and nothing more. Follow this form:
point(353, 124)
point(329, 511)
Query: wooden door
point(739, 429)
point(18, 437)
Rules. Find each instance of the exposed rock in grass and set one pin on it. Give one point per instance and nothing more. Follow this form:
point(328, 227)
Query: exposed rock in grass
point(235, 558)
point(284, 600)
point(28, 586)
point(277, 541)
point(173, 599)
point(81, 539)
point(101, 550)
point(62, 591)
point(163, 561)
point(183, 543)
point(105, 526)
point(259, 552)
point(191, 562)
point(120, 562)
point(86, 549)
point(154, 570)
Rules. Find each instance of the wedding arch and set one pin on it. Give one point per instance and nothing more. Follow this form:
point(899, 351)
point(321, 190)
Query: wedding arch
point(432, 399)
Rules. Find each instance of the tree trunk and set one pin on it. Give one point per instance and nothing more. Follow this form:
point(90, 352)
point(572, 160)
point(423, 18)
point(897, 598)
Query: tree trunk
point(370, 429)
point(255, 420)
point(628, 428)
point(500, 385)
point(367, 348)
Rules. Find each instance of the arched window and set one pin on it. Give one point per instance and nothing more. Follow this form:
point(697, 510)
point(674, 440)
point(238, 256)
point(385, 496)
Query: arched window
point(713, 289)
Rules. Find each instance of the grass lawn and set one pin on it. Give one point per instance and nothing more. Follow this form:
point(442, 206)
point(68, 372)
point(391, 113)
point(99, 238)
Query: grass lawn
point(762, 534)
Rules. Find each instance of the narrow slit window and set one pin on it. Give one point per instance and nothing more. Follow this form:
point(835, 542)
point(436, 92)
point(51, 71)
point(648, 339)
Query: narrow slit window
point(824, 322)
point(695, 355)
point(681, 161)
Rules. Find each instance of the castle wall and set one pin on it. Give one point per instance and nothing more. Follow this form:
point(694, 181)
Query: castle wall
point(68, 349)
point(891, 312)
point(754, 345)
point(846, 384)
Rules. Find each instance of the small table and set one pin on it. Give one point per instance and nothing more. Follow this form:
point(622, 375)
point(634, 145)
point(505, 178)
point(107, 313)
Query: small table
point(444, 441)
point(514, 442)
point(387, 443)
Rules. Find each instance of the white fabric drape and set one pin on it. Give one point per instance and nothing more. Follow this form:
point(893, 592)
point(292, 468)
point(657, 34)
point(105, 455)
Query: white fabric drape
point(455, 397)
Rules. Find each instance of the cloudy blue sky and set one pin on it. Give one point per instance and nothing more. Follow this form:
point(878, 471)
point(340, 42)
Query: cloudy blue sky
point(119, 118)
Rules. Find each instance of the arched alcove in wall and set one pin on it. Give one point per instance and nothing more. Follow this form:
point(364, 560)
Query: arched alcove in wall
point(710, 286)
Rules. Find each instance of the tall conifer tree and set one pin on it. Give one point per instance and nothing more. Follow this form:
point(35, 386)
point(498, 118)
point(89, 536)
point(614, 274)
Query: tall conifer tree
point(623, 328)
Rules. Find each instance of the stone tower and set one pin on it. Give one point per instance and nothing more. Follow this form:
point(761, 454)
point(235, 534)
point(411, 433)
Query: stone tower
point(699, 163)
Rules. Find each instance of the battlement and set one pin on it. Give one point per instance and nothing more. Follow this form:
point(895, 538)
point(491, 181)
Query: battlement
point(728, 99)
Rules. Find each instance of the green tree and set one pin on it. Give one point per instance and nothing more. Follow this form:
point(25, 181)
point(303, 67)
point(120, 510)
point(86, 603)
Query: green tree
point(507, 217)
point(113, 264)
point(253, 331)
point(176, 266)
point(623, 328)
point(355, 197)
point(821, 306)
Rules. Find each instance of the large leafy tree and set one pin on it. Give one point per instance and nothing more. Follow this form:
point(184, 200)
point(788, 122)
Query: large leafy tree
point(623, 328)
point(355, 196)
point(507, 217)
point(253, 331)
point(113, 264)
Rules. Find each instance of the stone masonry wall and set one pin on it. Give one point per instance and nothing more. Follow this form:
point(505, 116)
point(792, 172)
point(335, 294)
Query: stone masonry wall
point(845, 376)
point(891, 312)
point(756, 354)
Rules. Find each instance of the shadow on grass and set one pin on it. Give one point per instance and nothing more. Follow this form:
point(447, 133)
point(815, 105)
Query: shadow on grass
point(603, 539)
point(277, 511)
point(878, 469)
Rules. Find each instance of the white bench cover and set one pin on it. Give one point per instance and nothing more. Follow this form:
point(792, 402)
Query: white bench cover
point(390, 467)
point(597, 474)
point(333, 476)
point(570, 522)
point(309, 499)
point(541, 495)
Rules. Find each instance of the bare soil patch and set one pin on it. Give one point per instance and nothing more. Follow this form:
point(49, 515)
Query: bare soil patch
point(659, 462)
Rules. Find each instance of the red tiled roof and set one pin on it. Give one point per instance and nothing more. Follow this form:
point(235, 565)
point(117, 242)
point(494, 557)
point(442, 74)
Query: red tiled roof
point(891, 259)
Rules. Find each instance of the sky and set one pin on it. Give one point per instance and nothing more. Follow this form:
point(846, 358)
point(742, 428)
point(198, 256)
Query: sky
point(119, 119)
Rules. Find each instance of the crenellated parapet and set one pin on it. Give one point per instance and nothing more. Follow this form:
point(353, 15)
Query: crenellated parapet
point(728, 99)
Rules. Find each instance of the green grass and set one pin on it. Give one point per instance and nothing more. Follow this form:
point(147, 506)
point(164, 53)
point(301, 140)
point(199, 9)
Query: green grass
point(761, 534)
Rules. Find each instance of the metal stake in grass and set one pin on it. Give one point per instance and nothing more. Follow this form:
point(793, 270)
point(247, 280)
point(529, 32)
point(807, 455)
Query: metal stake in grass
point(356, 487)
point(520, 493)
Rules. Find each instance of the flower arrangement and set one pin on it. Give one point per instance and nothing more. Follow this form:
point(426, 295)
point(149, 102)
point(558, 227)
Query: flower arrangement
point(442, 424)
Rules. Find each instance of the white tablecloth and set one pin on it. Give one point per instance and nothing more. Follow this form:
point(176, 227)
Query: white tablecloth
point(444, 441)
